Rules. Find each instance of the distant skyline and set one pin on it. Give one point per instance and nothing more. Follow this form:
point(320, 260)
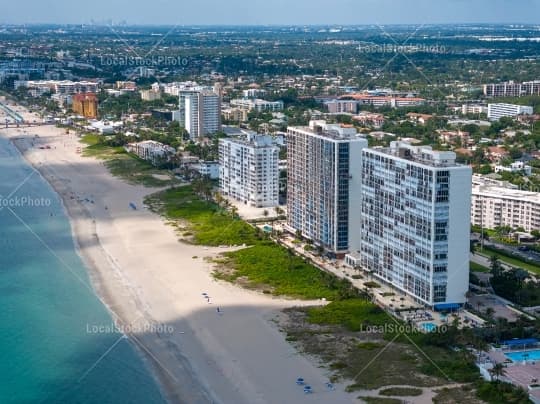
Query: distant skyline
point(277, 12)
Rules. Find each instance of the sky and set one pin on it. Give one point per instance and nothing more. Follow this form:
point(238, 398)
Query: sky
point(270, 12)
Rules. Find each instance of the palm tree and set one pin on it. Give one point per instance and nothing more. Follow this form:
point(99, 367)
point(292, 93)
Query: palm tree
point(495, 265)
point(497, 371)
point(278, 211)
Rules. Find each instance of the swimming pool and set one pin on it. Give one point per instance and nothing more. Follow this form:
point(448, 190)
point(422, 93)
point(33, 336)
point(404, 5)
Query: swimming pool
point(524, 355)
point(429, 327)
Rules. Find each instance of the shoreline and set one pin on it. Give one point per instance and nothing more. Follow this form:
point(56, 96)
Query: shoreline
point(142, 274)
point(80, 218)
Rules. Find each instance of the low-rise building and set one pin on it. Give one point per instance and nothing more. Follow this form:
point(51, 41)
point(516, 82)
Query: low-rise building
point(152, 151)
point(495, 204)
point(499, 110)
point(473, 109)
point(235, 114)
point(419, 118)
point(39, 87)
point(369, 119)
point(516, 167)
point(150, 95)
point(257, 104)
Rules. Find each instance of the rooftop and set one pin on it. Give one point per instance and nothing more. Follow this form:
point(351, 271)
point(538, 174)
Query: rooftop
point(330, 131)
point(419, 154)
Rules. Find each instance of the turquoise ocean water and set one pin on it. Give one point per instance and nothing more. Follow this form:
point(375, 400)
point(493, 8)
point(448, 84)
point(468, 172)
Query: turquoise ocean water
point(48, 351)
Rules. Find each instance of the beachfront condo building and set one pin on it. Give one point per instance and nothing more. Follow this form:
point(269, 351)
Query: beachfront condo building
point(414, 209)
point(323, 184)
point(249, 170)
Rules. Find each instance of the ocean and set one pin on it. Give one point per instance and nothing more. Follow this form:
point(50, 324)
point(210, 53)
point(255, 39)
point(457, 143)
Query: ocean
point(55, 340)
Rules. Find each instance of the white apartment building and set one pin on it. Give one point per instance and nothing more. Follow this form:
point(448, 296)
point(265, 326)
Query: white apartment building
point(511, 89)
point(495, 204)
point(323, 184)
point(150, 95)
point(473, 109)
point(202, 112)
point(66, 87)
point(258, 105)
point(208, 169)
point(152, 151)
point(499, 110)
point(414, 222)
point(253, 93)
point(249, 170)
point(515, 167)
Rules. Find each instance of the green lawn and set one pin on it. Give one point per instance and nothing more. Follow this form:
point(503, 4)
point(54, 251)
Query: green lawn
point(209, 224)
point(401, 391)
point(478, 268)
point(488, 252)
point(353, 314)
point(267, 264)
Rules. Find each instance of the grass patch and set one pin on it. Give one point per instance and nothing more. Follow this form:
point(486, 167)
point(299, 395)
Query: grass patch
point(353, 314)
point(265, 265)
point(268, 264)
point(208, 224)
point(477, 267)
point(501, 393)
point(401, 391)
point(508, 259)
point(380, 400)
point(370, 345)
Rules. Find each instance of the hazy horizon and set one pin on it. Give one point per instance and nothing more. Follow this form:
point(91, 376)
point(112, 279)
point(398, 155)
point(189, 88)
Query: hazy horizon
point(279, 12)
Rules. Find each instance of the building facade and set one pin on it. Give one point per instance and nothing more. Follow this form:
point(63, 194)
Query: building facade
point(68, 87)
point(495, 204)
point(499, 110)
point(150, 95)
point(250, 104)
point(85, 104)
point(249, 170)
point(414, 222)
point(202, 113)
point(511, 89)
point(323, 183)
point(155, 152)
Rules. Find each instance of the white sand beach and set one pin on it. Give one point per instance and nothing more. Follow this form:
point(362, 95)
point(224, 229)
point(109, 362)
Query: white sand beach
point(145, 276)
